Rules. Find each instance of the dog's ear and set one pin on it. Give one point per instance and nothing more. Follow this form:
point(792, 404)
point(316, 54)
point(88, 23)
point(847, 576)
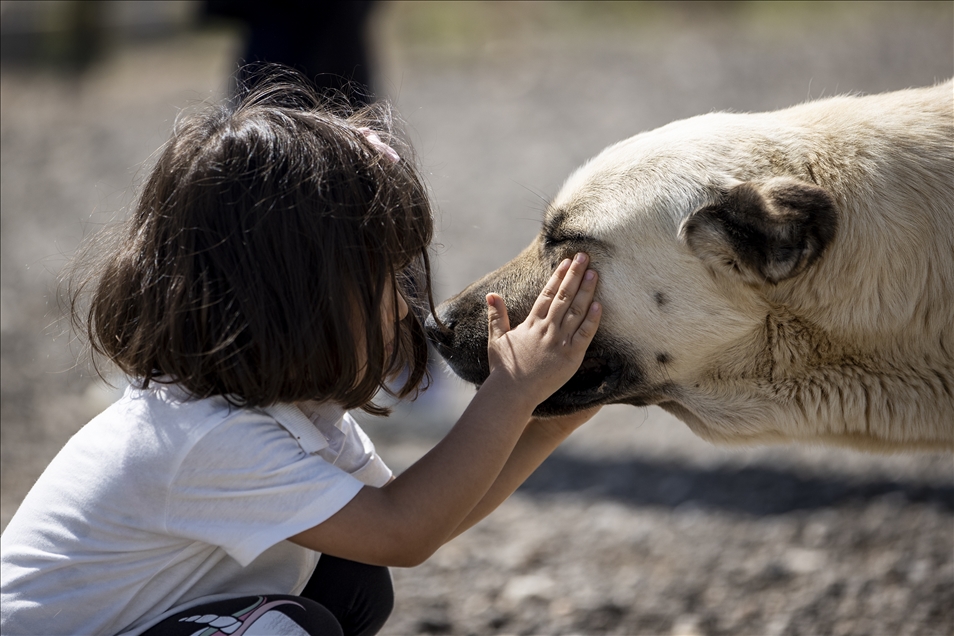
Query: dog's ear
point(763, 232)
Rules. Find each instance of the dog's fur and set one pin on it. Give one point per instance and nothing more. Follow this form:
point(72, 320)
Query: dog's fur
point(771, 276)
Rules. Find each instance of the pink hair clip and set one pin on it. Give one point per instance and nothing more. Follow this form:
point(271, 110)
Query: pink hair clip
point(382, 147)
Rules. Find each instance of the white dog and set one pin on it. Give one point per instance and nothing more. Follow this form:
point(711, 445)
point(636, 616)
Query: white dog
point(771, 276)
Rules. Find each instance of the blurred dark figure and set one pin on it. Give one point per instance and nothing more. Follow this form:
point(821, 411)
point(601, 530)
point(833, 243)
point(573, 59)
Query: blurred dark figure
point(323, 39)
point(74, 43)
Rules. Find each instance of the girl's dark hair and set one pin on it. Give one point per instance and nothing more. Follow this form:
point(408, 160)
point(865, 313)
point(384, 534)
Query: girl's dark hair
point(255, 262)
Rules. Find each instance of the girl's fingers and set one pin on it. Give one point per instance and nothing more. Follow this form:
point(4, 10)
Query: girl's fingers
point(587, 329)
point(498, 322)
point(577, 310)
point(569, 289)
point(541, 307)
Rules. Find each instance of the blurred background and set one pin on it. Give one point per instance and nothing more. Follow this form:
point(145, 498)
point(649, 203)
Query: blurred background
point(634, 526)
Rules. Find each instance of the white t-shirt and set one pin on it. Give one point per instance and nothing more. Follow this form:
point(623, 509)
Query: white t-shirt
point(163, 502)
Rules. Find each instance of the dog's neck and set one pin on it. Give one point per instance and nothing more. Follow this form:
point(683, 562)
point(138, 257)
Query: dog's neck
point(804, 384)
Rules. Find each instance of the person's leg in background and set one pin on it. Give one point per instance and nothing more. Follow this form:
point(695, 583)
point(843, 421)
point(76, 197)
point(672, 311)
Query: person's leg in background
point(323, 39)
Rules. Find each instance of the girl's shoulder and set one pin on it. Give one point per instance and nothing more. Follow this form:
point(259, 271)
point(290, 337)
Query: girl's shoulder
point(169, 408)
point(173, 406)
point(169, 413)
point(160, 423)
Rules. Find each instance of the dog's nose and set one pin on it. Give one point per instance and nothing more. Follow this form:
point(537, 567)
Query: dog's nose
point(440, 333)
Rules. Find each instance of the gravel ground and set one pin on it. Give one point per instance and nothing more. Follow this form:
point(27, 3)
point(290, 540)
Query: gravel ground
point(634, 526)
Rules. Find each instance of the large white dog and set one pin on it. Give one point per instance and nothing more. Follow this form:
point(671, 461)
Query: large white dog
point(770, 276)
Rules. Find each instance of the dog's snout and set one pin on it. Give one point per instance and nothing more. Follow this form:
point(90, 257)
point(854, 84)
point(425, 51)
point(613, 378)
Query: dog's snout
point(440, 330)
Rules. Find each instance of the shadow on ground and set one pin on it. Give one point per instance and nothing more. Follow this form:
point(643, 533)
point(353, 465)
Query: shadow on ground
point(752, 490)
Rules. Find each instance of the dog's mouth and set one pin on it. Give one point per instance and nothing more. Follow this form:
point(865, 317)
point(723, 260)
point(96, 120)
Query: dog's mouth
point(597, 381)
point(602, 378)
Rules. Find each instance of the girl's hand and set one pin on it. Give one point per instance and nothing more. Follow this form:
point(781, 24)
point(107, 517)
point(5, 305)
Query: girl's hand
point(546, 349)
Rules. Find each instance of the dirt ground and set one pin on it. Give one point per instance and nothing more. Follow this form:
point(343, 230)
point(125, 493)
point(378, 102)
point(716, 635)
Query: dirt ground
point(634, 526)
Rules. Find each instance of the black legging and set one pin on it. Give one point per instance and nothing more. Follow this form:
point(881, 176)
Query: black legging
point(342, 598)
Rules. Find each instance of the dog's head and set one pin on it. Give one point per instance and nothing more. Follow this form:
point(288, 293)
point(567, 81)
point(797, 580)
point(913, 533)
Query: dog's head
point(686, 235)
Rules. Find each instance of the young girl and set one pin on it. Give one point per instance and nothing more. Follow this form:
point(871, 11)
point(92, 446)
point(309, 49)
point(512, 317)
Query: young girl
point(263, 286)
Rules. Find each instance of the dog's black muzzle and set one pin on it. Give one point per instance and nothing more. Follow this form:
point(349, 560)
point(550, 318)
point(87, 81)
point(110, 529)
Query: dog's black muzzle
point(460, 337)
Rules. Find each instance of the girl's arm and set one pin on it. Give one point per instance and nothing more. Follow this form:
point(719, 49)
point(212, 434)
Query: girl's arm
point(540, 438)
point(404, 522)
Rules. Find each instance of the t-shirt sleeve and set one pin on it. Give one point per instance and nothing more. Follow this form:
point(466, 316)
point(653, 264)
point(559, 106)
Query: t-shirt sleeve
point(247, 485)
point(359, 457)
